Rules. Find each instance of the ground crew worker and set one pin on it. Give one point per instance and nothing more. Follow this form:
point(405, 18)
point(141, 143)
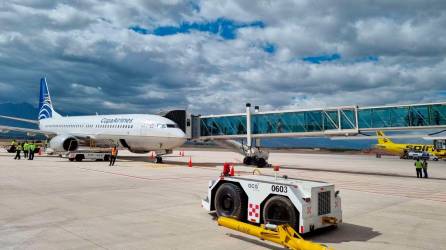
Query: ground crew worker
point(12, 148)
point(32, 147)
point(25, 149)
point(17, 150)
point(418, 168)
point(114, 155)
point(425, 168)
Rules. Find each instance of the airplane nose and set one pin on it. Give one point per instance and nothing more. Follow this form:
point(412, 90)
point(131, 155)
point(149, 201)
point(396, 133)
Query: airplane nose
point(180, 137)
point(180, 133)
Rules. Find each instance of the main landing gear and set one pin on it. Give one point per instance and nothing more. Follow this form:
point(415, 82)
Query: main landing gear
point(253, 160)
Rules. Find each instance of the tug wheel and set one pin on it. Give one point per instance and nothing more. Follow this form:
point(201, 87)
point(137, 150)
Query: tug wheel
point(79, 157)
point(279, 210)
point(229, 201)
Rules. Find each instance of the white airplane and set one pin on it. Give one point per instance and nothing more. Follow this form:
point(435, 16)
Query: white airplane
point(138, 132)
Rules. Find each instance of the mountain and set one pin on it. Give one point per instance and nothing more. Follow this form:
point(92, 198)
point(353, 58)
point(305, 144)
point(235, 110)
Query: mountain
point(317, 142)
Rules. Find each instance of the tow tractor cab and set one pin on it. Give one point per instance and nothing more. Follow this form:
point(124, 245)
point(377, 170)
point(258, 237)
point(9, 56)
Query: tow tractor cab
point(259, 199)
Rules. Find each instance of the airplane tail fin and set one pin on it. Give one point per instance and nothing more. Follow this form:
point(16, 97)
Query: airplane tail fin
point(382, 139)
point(45, 105)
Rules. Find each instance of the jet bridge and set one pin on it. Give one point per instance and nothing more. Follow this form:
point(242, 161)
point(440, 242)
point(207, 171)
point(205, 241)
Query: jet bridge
point(337, 121)
point(342, 121)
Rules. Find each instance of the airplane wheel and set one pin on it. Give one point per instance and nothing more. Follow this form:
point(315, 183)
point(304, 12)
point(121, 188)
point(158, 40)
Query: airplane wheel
point(158, 159)
point(261, 163)
point(229, 201)
point(247, 160)
point(279, 210)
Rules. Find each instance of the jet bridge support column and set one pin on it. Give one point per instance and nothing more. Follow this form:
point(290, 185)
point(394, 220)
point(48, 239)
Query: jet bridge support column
point(248, 126)
point(257, 141)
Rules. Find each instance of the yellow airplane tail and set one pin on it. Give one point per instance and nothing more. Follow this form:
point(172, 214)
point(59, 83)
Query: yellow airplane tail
point(382, 139)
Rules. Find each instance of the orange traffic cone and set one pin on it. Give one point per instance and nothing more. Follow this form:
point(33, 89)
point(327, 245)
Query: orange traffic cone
point(40, 151)
point(232, 172)
point(152, 156)
point(190, 161)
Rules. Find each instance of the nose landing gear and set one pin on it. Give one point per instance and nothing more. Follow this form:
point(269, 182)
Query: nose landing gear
point(158, 159)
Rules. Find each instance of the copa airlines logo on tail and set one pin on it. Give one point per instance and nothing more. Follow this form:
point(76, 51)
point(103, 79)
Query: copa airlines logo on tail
point(45, 106)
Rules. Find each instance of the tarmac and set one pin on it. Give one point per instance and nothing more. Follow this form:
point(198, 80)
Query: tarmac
point(51, 203)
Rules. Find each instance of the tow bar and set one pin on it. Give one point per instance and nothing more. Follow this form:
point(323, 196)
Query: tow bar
point(280, 234)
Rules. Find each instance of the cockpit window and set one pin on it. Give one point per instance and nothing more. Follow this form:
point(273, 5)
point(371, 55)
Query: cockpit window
point(171, 125)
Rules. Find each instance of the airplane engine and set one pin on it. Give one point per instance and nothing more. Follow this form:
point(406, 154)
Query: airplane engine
point(62, 143)
point(133, 147)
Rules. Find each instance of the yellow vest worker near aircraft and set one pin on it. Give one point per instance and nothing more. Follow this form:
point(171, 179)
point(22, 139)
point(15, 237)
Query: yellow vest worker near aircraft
point(387, 145)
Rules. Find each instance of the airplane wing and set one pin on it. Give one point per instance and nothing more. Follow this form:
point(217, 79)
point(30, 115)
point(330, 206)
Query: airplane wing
point(19, 119)
point(6, 129)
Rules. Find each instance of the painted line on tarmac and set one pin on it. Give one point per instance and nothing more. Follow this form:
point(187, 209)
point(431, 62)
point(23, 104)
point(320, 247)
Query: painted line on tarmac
point(358, 172)
point(146, 178)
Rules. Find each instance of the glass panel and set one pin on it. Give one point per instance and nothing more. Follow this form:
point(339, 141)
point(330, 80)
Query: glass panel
point(364, 118)
point(309, 121)
point(227, 125)
point(330, 120)
point(438, 115)
point(347, 119)
point(313, 121)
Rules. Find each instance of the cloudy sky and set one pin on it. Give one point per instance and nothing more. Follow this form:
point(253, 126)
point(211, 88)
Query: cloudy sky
point(213, 56)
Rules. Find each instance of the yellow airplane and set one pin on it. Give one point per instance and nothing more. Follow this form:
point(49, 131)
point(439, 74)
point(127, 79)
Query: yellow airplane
point(387, 145)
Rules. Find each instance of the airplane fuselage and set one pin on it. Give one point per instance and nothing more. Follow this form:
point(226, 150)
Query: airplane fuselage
point(398, 148)
point(141, 132)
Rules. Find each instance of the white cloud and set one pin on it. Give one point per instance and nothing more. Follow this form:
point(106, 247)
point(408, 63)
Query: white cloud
point(87, 46)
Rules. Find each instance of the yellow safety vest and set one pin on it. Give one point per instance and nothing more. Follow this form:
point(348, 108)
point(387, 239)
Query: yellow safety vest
point(418, 164)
